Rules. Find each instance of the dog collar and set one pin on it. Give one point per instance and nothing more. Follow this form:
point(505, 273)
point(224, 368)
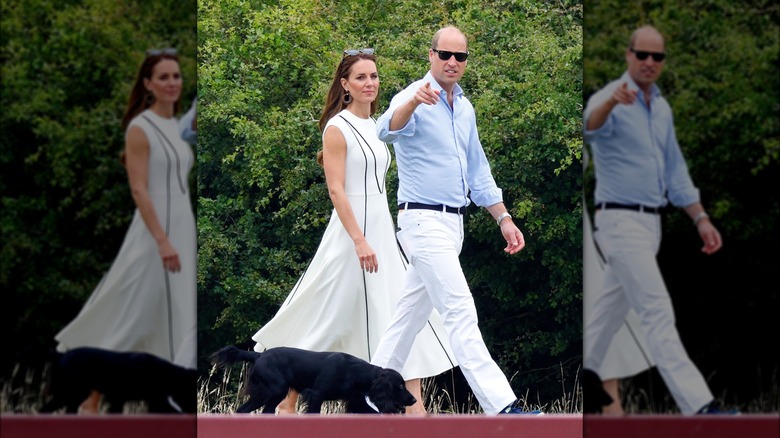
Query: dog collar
point(370, 403)
point(174, 405)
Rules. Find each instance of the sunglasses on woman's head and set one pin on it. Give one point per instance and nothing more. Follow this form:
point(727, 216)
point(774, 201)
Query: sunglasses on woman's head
point(444, 55)
point(642, 55)
point(353, 52)
point(158, 52)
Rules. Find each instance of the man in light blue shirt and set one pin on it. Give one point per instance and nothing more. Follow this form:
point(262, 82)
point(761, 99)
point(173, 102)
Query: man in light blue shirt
point(639, 168)
point(441, 169)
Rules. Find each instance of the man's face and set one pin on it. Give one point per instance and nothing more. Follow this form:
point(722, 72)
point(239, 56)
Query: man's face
point(448, 72)
point(645, 72)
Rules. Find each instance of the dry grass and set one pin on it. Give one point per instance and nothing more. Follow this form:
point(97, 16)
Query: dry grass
point(222, 393)
point(25, 392)
point(638, 398)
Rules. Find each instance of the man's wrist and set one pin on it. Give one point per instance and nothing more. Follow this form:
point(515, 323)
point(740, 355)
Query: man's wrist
point(700, 217)
point(503, 216)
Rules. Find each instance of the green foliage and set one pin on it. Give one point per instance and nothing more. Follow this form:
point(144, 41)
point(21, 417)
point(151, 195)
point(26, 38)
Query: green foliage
point(264, 69)
point(66, 75)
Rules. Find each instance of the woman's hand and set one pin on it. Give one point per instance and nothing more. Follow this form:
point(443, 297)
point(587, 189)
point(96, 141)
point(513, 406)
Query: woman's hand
point(170, 258)
point(366, 255)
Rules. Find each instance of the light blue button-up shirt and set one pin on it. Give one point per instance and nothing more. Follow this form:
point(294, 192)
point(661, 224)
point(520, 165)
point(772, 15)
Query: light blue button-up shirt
point(439, 155)
point(635, 153)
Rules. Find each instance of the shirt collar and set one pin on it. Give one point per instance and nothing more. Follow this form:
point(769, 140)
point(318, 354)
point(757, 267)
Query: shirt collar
point(456, 90)
point(654, 90)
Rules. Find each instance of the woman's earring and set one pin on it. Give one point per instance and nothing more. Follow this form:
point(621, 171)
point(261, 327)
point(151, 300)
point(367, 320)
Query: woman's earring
point(149, 97)
point(347, 98)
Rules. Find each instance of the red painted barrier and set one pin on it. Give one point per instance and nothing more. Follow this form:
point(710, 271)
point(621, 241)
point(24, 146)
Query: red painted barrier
point(381, 426)
point(302, 426)
point(387, 426)
point(98, 426)
point(677, 426)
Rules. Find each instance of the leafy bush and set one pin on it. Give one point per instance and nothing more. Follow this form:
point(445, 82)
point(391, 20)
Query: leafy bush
point(264, 68)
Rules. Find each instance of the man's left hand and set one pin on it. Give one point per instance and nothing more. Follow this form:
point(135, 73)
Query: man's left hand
point(514, 238)
point(710, 236)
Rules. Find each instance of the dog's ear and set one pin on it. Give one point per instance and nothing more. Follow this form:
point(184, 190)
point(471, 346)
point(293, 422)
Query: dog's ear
point(389, 394)
point(381, 393)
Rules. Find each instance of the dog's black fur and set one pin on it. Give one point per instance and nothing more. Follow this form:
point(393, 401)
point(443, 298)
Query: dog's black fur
point(120, 377)
point(594, 397)
point(318, 376)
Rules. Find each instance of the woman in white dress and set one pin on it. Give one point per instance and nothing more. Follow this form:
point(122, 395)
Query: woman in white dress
point(346, 297)
point(147, 300)
point(628, 353)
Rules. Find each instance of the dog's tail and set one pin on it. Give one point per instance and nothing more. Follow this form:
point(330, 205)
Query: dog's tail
point(232, 354)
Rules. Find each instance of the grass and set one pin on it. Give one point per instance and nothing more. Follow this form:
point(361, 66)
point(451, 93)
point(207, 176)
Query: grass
point(24, 392)
point(639, 398)
point(222, 393)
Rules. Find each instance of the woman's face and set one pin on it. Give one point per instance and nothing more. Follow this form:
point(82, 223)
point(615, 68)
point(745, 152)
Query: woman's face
point(165, 83)
point(363, 82)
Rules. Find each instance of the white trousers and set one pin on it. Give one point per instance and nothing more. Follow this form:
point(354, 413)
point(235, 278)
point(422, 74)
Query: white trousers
point(630, 240)
point(432, 241)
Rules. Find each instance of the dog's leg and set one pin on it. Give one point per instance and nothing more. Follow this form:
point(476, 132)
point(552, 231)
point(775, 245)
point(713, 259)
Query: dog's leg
point(358, 405)
point(272, 401)
point(53, 404)
point(72, 407)
point(314, 403)
point(163, 405)
point(74, 401)
point(251, 405)
point(116, 406)
point(593, 394)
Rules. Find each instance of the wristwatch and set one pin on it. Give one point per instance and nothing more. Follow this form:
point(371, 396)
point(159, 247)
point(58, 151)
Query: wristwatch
point(502, 216)
point(699, 217)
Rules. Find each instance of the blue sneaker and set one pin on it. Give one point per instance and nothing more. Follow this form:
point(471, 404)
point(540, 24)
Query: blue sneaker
point(514, 408)
point(715, 408)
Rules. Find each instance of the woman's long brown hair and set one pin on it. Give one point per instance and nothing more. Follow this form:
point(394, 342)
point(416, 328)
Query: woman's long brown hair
point(138, 101)
point(334, 100)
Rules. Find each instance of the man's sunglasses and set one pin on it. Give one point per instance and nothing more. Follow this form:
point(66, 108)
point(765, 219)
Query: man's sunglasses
point(157, 52)
point(642, 55)
point(445, 55)
point(353, 52)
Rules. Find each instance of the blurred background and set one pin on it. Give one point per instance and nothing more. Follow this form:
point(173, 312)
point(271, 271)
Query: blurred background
point(67, 70)
point(721, 81)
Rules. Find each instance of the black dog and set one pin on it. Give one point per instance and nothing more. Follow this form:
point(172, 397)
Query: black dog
point(120, 377)
point(318, 376)
point(594, 397)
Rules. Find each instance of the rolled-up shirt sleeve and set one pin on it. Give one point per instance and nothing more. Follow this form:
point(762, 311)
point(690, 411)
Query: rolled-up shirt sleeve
point(681, 190)
point(607, 128)
point(383, 122)
point(484, 191)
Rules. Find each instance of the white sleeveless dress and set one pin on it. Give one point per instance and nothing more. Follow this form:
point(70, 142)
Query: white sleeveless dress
point(628, 354)
point(335, 306)
point(138, 306)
